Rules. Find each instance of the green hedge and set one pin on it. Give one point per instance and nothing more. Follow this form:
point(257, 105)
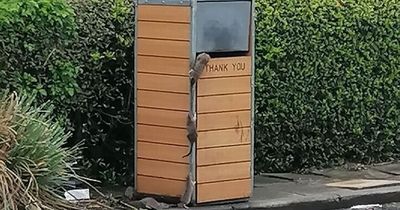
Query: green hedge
point(33, 39)
point(327, 83)
point(102, 112)
point(79, 55)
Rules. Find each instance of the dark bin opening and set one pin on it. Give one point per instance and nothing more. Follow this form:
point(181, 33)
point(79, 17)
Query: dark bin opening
point(223, 26)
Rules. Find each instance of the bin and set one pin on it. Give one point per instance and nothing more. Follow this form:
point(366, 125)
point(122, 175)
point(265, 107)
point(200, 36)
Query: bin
point(169, 36)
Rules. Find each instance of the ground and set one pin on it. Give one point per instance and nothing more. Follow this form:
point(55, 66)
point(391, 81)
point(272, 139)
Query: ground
point(390, 206)
point(288, 191)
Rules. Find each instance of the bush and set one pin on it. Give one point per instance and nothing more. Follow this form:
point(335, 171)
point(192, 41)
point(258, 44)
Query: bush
point(34, 165)
point(102, 112)
point(33, 37)
point(78, 55)
point(327, 83)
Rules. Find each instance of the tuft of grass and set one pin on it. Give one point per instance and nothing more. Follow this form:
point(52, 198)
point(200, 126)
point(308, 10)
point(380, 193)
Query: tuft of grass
point(34, 164)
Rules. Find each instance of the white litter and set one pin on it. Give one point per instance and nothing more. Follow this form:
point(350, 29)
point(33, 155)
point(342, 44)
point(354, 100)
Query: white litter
point(74, 195)
point(367, 207)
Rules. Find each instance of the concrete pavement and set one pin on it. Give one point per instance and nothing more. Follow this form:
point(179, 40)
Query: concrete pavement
point(309, 192)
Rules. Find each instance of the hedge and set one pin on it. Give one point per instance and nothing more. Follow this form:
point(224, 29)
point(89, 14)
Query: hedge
point(33, 39)
point(102, 112)
point(327, 83)
point(79, 55)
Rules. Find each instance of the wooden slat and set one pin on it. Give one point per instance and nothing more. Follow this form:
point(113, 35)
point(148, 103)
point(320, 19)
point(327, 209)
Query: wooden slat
point(147, 150)
point(223, 103)
point(223, 190)
point(223, 120)
point(164, 13)
point(176, 84)
point(158, 30)
point(227, 85)
point(159, 117)
point(173, 101)
point(158, 186)
point(232, 66)
point(162, 169)
point(166, 48)
point(159, 65)
point(223, 172)
point(176, 136)
point(223, 137)
point(220, 155)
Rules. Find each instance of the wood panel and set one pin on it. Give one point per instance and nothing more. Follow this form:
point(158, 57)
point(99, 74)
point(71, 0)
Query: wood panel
point(173, 101)
point(223, 190)
point(223, 103)
point(227, 67)
point(159, 186)
point(227, 85)
point(175, 84)
point(163, 51)
point(153, 168)
point(160, 65)
point(164, 135)
point(223, 120)
point(168, 118)
point(153, 151)
point(224, 141)
point(220, 138)
point(162, 13)
point(224, 172)
point(159, 30)
point(165, 48)
point(220, 155)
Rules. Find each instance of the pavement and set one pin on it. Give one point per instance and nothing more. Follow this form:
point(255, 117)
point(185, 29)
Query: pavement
point(287, 191)
point(388, 206)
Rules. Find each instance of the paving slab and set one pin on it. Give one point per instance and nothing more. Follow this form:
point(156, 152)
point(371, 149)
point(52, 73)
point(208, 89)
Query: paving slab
point(343, 174)
point(263, 180)
point(357, 184)
point(300, 178)
point(392, 169)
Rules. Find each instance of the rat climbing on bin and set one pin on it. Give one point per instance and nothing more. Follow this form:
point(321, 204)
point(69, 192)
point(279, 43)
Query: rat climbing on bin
point(194, 74)
point(191, 131)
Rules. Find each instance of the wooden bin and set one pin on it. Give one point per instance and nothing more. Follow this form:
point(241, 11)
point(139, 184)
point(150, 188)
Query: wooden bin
point(223, 155)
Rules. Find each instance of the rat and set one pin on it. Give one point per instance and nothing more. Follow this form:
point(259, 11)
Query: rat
point(194, 75)
point(198, 67)
point(192, 132)
point(186, 198)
